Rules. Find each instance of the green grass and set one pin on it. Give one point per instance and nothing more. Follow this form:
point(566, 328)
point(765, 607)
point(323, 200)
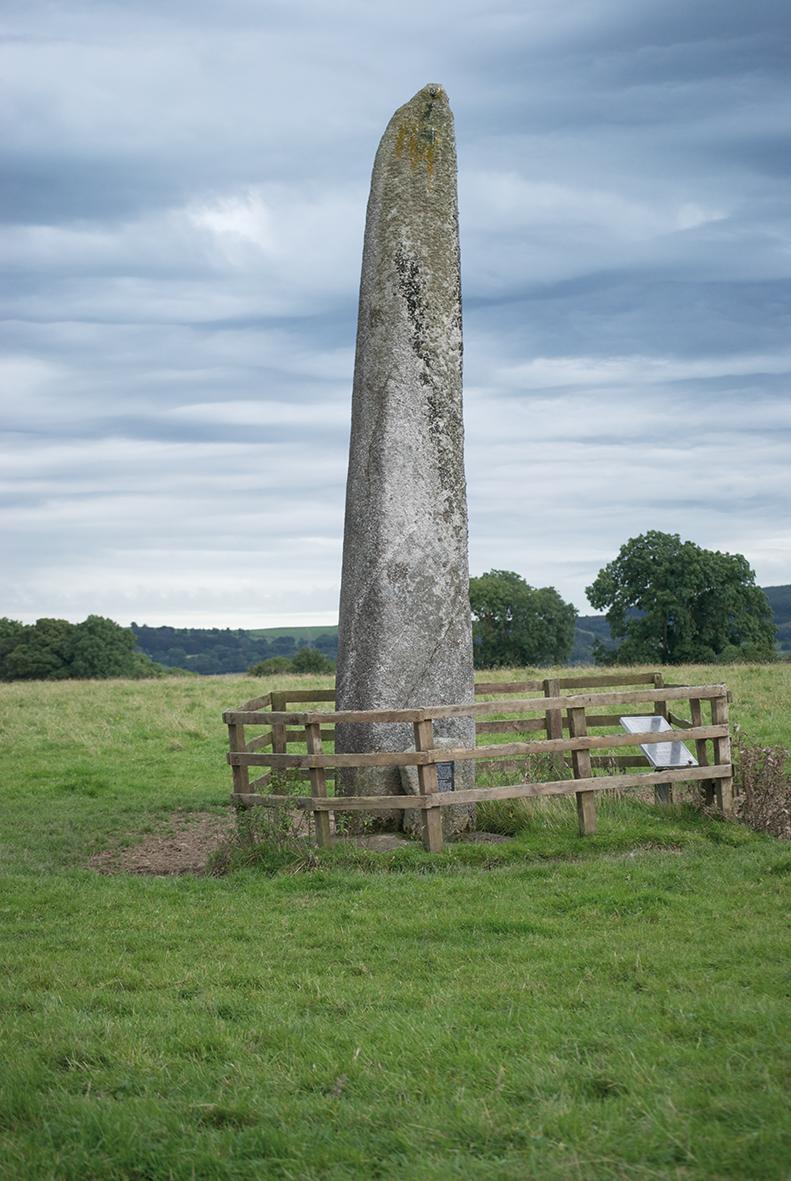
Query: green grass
point(549, 1007)
point(310, 632)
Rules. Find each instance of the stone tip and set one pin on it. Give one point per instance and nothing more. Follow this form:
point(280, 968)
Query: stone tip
point(428, 104)
point(433, 90)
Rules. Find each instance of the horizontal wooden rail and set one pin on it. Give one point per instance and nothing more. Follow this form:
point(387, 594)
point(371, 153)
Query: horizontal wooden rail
point(482, 688)
point(616, 761)
point(307, 694)
point(429, 713)
point(299, 735)
point(260, 743)
point(262, 781)
point(306, 762)
point(460, 754)
point(620, 679)
point(487, 688)
point(572, 701)
point(258, 702)
point(506, 725)
point(518, 765)
point(291, 718)
point(587, 742)
point(448, 799)
point(500, 726)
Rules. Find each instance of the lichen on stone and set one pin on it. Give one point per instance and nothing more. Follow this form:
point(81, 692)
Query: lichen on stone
point(420, 142)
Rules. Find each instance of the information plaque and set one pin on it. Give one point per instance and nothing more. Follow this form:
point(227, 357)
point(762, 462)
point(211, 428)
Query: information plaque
point(664, 755)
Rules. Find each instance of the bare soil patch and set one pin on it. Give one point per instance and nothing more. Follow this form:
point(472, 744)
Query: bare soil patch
point(189, 839)
point(185, 846)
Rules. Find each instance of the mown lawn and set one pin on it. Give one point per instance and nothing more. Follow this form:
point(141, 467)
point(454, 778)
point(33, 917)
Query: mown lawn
point(548, 1008)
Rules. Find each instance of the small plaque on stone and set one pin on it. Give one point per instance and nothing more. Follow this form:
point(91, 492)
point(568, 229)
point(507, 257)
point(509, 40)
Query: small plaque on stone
point(444, 776)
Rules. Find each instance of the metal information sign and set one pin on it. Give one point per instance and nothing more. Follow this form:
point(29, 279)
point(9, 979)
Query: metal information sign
point(444, 776)
point(664, 755)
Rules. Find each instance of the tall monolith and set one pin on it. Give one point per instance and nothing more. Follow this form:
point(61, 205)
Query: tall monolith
point(405, 629)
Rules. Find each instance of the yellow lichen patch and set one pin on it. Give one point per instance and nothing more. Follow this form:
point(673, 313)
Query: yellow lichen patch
point(420, 142)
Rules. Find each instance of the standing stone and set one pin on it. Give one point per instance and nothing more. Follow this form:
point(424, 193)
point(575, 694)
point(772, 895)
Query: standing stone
point(405, 635)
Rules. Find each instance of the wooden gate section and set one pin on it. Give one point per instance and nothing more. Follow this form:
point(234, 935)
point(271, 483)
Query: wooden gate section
point(292, 745)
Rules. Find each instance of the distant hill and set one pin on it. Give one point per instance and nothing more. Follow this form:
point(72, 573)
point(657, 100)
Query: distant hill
point(589, 628)
point(299, 633)
point(780, 601)
point(225, 650)
point(214, 650)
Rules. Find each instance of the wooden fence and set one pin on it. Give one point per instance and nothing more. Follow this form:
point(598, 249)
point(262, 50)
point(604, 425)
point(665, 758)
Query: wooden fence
point(500, 709)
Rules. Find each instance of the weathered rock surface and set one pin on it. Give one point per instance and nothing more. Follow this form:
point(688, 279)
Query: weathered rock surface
point(405, 631)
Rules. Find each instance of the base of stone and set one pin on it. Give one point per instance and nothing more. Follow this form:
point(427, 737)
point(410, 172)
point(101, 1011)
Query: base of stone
point(378, 842)
point(387, 842)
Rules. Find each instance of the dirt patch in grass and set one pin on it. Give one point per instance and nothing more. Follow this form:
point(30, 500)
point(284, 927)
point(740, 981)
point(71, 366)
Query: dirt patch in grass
point(189, 840)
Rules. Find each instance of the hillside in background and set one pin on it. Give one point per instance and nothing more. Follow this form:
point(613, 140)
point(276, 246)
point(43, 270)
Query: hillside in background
point(589, 628)
point(780, 601)
point(210, 651)
point(225, 650)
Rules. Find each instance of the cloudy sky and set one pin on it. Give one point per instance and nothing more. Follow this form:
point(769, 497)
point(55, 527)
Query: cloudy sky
point(183, 189)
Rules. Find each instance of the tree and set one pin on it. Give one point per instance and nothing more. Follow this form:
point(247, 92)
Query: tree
point(42, 653)
point(12, 634)
point(54, 649)
point(271, 667)
point(672, 602)
point(101, 648)
point(517, 624)
point(310, 660)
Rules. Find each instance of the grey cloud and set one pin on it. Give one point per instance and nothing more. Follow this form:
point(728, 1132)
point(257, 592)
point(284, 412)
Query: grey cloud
point(182, 211)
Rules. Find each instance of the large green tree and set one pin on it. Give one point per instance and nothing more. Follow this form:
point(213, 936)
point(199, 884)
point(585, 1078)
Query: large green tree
point(41, 652)
point(672, 602)
point(515, 624)
point(101, 648)
point(54, 649)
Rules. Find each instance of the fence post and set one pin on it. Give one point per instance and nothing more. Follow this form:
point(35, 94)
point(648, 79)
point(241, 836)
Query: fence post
point(427, 782)
point(581, 763)
point(663, 792)
point(241, 775)
point(706, 785)
point(279, 701)
point(318, 785)
point(722, 755)
point(553, 720)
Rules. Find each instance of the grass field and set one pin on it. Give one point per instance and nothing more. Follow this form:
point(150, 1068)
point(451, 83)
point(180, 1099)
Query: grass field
point(547, 1008)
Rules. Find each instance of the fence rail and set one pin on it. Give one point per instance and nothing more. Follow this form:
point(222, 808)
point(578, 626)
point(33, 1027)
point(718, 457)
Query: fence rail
point(559, 714)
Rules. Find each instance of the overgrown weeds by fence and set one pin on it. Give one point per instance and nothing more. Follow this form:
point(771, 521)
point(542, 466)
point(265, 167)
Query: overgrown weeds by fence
point(763, 789)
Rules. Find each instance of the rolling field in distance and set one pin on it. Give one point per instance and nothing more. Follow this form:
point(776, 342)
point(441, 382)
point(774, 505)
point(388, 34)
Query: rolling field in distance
point(549, 1007)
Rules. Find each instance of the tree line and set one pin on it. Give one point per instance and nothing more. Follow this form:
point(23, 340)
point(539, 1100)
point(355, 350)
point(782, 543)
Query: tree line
point(210, 651)
point(666, 601)
point(56, 650)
